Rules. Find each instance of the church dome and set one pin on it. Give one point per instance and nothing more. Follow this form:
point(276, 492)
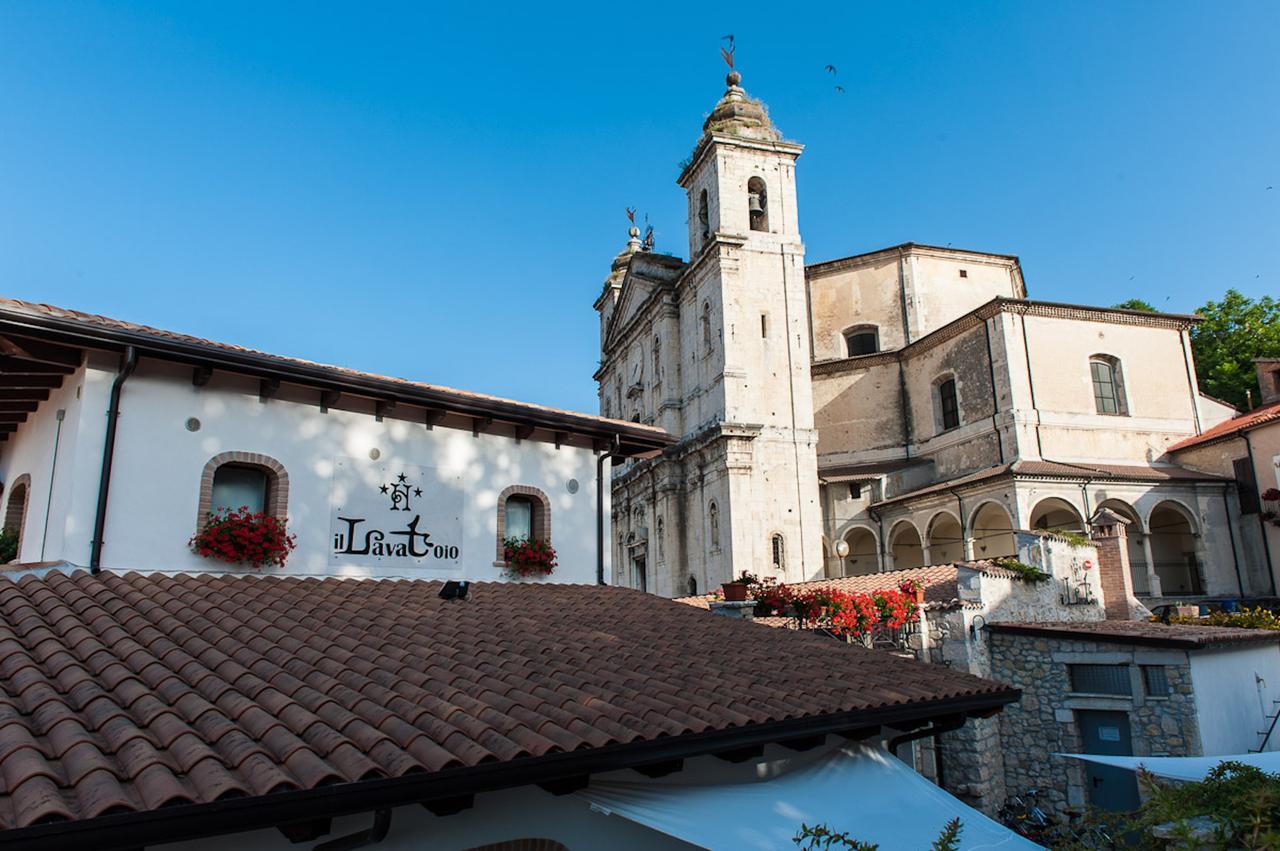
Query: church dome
point(737, 114)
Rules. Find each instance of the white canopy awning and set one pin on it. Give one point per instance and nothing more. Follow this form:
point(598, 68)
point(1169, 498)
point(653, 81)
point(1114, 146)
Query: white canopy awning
point(1182, 767)
point(865, 791)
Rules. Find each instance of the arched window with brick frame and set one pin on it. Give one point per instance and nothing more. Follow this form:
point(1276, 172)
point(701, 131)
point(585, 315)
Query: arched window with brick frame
point(523, 512)
point(237, 479)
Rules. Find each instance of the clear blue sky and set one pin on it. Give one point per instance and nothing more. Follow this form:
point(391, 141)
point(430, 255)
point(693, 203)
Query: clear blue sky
point(438, 194)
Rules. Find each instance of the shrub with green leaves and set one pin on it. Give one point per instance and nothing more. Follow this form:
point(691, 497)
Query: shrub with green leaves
point(8, 546)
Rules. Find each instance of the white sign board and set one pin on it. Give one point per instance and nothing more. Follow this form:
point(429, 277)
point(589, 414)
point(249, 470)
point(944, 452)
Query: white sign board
point(394, 515)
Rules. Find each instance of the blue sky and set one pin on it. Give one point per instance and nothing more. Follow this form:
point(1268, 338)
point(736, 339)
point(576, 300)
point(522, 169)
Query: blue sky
point(437, 194)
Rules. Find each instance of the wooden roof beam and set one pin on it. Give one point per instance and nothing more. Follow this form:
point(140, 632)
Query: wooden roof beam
point(18, 366)
point(16, 380)
point(26, 348)
point(23, 394)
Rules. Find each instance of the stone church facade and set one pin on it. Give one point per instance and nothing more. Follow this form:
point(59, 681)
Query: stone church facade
point(893, 409)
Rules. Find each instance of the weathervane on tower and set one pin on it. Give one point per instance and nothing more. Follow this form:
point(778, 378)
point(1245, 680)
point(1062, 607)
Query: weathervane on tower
point(733, 78)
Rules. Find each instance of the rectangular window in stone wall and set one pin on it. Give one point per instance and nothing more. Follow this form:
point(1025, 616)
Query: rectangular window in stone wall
point(1155, 680)
point(1100, 679)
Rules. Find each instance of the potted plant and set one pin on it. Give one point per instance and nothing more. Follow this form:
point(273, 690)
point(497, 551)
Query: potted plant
point(528, 557)
point(739, 589)
point(241, 536)
point(914, 589)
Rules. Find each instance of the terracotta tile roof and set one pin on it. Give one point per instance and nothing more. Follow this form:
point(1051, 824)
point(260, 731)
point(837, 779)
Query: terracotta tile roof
point(1057, 469)
point(14, 309)
point(123, 694)
point(1182, 636)
point(1126, 472)
point(1230, 428)
point(940, 590)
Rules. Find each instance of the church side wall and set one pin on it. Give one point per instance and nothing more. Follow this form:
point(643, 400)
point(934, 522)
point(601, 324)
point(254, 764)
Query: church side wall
point(1156, 386)
point(858, 413)
point(861, 294)
point(937, 295)
point(973, 445)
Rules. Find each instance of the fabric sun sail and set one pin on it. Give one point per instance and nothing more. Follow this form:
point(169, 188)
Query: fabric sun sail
point(864, 791)
point(1182, 767)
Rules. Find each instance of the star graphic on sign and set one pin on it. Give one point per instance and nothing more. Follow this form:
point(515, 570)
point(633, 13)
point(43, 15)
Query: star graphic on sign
point(385, 488)
point(402, 477)
point(417, 491)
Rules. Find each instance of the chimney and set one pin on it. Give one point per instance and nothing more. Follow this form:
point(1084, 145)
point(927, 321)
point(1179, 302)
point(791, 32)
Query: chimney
point(1268, 379)
point(1111, 540)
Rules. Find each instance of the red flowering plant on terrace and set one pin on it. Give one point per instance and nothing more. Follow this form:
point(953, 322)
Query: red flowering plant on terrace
point(847, 614)
point(528, 557)
point(241, 536)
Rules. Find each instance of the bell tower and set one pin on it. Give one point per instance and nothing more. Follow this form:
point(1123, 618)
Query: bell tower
point(750, 371)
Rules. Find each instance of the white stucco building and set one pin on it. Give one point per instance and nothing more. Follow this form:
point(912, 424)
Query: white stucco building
point(887, 410)
point(376, 476)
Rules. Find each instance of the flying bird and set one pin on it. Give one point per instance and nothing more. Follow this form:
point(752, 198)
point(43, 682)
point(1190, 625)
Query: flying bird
point(830, 69)
point(840, 89)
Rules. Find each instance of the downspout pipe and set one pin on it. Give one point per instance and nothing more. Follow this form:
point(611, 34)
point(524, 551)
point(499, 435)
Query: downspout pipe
point(1235, 556)
point(108, 455)
point(875, 515)
point(995, 397)
point(1031, 383)
point(1262, 524)
point(604, 456)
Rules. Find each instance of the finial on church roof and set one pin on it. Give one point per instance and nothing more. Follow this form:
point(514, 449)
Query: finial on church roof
point(733, 78)
point(633, 243)
point(737, 114)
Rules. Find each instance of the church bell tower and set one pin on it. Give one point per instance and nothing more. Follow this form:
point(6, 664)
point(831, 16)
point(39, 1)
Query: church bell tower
point(750, 333)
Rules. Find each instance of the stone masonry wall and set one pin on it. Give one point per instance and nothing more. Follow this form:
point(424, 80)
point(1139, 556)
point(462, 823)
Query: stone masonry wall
point(1044, 721)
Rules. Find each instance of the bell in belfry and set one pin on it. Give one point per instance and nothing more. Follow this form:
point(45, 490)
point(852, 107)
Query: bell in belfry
point(753, 202)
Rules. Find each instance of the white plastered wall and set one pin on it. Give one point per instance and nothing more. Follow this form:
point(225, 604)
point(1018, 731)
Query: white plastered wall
point(155, 484)
point(1236, 688)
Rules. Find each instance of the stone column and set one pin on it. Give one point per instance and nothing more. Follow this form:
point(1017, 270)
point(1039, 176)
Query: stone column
point(1110, 538)
point(1153, 580)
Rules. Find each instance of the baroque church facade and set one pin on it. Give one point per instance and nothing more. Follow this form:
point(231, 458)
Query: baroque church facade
point(893, 409)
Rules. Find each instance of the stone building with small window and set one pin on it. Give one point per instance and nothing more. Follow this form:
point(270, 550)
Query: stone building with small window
point(1128, 688)
point(118, 442)
point(896, 408)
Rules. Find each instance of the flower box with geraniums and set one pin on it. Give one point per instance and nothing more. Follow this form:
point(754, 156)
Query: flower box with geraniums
point(241, 536)
point(528, 557)
point(1271, 505)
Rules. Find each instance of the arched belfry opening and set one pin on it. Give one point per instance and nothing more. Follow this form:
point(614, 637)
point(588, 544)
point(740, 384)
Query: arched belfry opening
point(704, 217)
point(758, 204)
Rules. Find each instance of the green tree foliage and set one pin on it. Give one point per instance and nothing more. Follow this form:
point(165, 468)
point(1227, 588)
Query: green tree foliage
point(1239, 804)
point(1137, 304)
point(822, 838)
point(8, 546)
point(1234, 332)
